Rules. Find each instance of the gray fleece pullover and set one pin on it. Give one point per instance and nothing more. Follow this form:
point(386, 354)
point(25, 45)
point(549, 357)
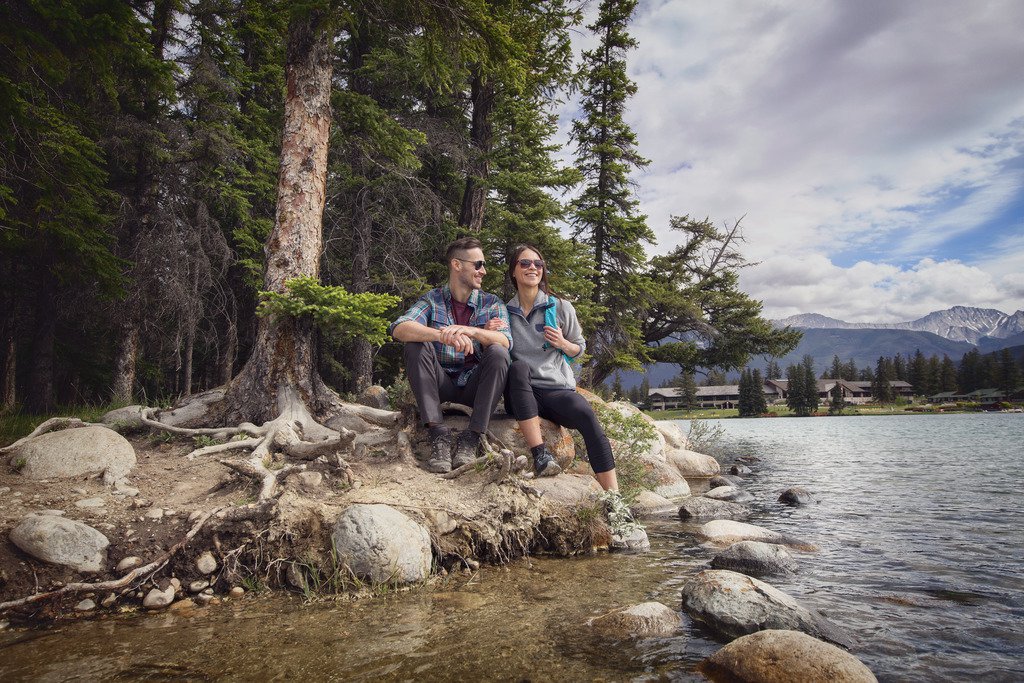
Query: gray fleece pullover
point(548, 368)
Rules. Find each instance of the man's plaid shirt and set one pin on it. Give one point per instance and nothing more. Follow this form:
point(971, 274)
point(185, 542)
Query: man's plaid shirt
point(434, 309)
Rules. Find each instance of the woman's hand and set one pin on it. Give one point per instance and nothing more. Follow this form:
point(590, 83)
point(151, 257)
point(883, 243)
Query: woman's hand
point(496, 325)
point(553, 335)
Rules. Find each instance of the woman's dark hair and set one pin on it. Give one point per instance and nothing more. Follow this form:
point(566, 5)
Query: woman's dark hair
point(516, 253)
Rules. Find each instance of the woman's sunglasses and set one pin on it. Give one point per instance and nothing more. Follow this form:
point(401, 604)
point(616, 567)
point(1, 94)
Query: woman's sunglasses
point(525, 263)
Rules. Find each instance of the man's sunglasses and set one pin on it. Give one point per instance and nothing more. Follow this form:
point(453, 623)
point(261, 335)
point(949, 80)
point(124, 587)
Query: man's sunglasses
point(477, 265)
point(525, 263)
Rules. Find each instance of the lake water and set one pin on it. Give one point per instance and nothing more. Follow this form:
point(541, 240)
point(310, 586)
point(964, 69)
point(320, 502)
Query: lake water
point(919, 524)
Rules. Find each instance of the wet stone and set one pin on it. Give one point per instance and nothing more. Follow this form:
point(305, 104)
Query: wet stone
point(796, 497)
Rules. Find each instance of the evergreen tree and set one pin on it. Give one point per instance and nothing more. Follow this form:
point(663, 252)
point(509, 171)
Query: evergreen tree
point(772, 370)
point(802, 391)
point(948, 375)
point(644, 394)
point(850, 370)
point(836, 402)
point(918, 374)
point(759, 403)
point(744, 405)
point(687, 385)
point(606, 217)
point(969, 375)
point(933, 376)
point(836, 371)
point(1009, 373)
point(899, 368)
point(881, 391)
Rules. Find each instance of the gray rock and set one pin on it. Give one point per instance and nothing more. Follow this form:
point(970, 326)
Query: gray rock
point(375, 397)
point(733, 494)
point(310, 480)
point(643, 620)
point(735, 605)
point(726, 532)
point(739, 469)
point(778, 656)
point(204, 598)
point(75, 452)
point(725, 480)
point(158, 599)
point(61, 541)
point(90, 503)
point(674, 437)
point(677, 489)
point(127, 418)
point(236, 592)
point(635, 541)
point(86, 605)
point(380, 544)
point(708, 508)
point(127, 564)
point(650, 504)
point(198, 586)
point(206, 564)
point(109, 600)
point(796, 496)
point(755, 558)
point(155, 514)
point(193, 409)
point(691, 463)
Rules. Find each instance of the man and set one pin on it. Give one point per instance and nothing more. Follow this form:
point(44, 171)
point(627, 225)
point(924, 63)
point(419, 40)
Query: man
point(449, 356)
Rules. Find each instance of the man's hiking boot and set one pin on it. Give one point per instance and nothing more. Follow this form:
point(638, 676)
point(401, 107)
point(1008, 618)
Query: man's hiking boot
point(465, 448)
point(440, 461)
point(544, 464)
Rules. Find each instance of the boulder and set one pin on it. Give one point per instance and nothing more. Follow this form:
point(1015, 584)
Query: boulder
point(725, 480)
point(671, 484)
point(75, 452)
point(61, 541)
point(634, 541)
point(733, 494)
point(726, 532)
point(380, 544)
point(707, 508)
point(192, 410)
point(692, 463)
point(674, 437)
point(122, 419)
point(375, 396)
point(569, 490)
point(650, 504)
point(734, 604)
point(782, 656)
point(755, 558)
point(158, 599)
point(643, 620)
point(558, 439)
point(796, 496)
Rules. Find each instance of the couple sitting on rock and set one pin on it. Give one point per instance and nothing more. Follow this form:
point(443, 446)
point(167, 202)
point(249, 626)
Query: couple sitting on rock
point(466, 346)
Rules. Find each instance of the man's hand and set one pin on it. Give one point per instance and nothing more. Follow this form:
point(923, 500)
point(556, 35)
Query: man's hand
point(496, 325)
point(460, 337)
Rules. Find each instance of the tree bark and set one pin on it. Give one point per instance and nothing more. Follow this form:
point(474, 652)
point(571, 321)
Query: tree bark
point(474, 197)
point(124, 364)
point(39, 396)
point(281, 368)
point(8, 373)
point(186, 371)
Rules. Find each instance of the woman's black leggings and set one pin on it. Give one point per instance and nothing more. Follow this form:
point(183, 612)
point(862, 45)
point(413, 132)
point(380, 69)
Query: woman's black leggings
point(564, 407)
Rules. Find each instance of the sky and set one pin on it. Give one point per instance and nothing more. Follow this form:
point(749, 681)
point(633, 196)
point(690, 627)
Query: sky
point(874, 149)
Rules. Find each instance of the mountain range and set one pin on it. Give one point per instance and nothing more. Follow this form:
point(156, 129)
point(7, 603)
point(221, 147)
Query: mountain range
point(952, 332)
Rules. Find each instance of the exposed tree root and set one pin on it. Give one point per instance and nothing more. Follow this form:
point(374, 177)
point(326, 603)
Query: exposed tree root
point(127, 579)
point(51, 425)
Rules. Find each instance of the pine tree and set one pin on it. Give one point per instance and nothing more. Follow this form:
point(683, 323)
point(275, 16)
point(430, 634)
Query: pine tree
point(881, 391)
point(687, 385)
point(772, 371)
point(948, 375)
point(744, 404)
point(1009, 373)
point(836, 402)
point(606, 217)
point(918, 374)
point(759, 403)
point(969, 374)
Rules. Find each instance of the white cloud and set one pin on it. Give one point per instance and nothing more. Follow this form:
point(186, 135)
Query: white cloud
point(873, 131)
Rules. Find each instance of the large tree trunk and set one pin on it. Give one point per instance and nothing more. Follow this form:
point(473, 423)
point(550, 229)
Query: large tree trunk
point(124, 364)
point(474, 197)
point(8, 372)
point(281, 368)
point(39, 396)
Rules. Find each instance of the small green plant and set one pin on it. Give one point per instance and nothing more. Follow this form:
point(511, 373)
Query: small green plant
point(161, 437)
point(704, 436)
point(19, 464)
point(204, 441)
point(632, 436)
point(252, 584)
point(400, 392)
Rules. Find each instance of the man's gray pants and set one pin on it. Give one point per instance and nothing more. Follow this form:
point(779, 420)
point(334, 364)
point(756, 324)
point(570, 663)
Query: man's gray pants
point(432, 386)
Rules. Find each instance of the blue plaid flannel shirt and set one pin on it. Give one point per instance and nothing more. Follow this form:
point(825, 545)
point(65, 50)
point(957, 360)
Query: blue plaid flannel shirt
point(434, 309)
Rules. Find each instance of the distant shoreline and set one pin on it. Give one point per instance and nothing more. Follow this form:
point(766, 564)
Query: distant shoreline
point(782, 411)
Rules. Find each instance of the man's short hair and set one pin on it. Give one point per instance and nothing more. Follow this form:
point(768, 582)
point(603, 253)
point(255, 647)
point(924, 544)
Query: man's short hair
point(460, 246)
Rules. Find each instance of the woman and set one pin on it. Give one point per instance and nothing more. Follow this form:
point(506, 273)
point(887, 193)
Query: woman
point(541, 382)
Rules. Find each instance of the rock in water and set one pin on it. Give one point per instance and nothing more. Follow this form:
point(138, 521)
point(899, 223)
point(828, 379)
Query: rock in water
point(635, 541)
point(726, 532)
point(380, 544)
point(61, 541)
point(778, 656)
point(73, 453)
point(707, 508)
point(375, 396)
point(692, 464)
point(796, 496)
point(725, 480)
point(158, 599)
point(739, 469)
point(650, 504)
point(735, 605)
point(733, 494)
point(755, 558)
point(643, 620)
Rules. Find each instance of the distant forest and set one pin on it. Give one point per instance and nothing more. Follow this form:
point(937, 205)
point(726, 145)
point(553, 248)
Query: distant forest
point(142, 163)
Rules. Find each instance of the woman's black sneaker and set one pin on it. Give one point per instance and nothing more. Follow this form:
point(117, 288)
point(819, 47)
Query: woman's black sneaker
point(544, 464)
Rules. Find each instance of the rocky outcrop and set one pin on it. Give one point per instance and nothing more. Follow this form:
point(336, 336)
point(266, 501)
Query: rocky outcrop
point(650, 504)
point(693, 464)
point(57, 540)
point(755, 558)
point(644, 620)
point(725, 480)
point(735, 605)
point(73, 453)
point(796, 497)
point(381, 545)
point(121, 419)
point(707, 508)
point(733, 494)
point(727, 532)
point(783, 656)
